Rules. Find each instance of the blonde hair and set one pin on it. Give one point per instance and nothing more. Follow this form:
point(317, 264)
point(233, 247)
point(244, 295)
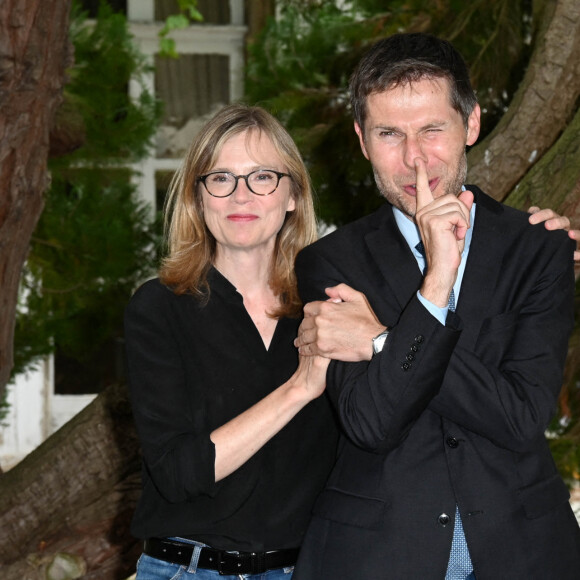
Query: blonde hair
point(191, 248)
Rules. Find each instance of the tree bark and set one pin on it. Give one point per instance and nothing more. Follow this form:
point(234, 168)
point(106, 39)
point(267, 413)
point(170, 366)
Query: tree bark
point(74, 496)
point(555, 180)
point(540, 110)
point(257, 13)
point(34, 52)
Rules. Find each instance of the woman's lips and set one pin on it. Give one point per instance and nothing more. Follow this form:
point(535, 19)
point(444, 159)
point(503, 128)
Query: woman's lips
point(242, 217)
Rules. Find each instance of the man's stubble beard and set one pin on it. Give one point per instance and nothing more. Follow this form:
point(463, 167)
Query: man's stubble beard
point(399, 200)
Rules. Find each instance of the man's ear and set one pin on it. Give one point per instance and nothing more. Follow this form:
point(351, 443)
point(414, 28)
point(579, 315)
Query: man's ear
point(473, 125)
point(361, 139)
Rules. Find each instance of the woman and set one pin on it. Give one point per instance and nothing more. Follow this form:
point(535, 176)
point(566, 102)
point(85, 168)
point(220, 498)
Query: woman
point(236, 443)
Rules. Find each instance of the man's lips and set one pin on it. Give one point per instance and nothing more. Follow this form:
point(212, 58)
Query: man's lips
point(411, 188)
point(242, 217)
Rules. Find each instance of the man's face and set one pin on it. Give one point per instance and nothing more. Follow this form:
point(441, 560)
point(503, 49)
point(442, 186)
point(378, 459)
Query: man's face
point(416, 121)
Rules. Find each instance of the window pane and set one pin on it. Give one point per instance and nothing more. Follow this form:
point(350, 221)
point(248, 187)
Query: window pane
point(191, 85)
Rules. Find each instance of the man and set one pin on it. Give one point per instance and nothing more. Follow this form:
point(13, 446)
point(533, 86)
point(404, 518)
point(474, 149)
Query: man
point(443, 470)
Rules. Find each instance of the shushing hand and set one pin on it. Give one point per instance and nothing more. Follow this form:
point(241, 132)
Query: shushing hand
point(443, 223)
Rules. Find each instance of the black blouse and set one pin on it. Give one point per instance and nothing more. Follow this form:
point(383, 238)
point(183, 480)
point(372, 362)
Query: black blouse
point(191, 369)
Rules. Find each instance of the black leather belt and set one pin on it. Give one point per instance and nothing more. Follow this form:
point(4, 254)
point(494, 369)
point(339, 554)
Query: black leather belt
point(224, 562)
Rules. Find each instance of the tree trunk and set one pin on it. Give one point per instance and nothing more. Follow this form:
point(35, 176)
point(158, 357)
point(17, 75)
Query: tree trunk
point(257, 13)
point(34, 52)
point(555, 180)
point(71, 500)
point(540, 110)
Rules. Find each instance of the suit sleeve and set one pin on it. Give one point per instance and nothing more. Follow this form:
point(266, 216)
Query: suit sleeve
point(506, 388)
point(177, 452)
point(379, 401)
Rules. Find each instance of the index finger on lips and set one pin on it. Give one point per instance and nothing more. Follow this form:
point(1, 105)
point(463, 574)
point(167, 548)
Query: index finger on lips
point(424, 195)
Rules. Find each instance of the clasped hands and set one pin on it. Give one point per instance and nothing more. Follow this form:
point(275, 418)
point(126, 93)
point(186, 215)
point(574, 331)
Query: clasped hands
point(340, 328)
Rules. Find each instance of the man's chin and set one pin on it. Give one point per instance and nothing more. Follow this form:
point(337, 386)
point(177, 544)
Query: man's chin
point(408, 209)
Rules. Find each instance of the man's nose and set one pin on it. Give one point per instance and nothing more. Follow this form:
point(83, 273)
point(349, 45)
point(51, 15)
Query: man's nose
point(413, 149)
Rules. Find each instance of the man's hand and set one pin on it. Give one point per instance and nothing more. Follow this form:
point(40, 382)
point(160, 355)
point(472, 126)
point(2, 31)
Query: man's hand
point(342, 328)
point(554, 221)
point(443, 224)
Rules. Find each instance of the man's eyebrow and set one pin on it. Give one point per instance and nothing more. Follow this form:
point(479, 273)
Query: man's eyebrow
point(434, 125)
point(385, 128)
point(431, 125)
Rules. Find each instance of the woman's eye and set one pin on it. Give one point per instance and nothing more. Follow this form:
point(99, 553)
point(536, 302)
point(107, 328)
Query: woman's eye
point(263, 176)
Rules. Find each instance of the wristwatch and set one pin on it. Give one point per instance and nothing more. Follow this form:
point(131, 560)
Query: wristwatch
point(379, 341)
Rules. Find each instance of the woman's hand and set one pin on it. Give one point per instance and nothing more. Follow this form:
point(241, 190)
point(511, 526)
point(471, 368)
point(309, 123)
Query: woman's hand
point(311, 375)
point(554, 221)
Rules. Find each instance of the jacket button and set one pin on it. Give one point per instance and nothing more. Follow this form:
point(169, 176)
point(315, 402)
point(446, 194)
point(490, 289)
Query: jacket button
point(414, 348)
point(405, 366)
point(443, 520)
point(410, 357)
point(452, 442)
point(419, 338)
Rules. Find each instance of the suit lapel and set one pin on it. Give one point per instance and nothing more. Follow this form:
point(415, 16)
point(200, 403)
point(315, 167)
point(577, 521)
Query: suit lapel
point(393, 258)
point(485, 259)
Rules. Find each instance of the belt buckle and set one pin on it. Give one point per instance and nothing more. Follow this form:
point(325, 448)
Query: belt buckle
point(230, 563)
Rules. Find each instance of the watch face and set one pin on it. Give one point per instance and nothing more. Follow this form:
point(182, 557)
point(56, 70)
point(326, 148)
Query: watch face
point(379, 341)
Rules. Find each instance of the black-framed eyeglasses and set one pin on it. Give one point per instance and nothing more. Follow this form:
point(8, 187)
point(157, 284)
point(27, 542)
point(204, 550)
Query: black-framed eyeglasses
point(259, 182)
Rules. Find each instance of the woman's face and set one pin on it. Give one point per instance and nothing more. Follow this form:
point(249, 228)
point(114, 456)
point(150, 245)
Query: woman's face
point(244, 221)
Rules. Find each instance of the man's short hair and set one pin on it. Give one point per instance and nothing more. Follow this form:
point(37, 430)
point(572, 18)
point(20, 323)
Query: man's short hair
point(407, 58)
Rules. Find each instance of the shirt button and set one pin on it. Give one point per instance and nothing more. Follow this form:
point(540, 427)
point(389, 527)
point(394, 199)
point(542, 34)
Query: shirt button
point(452, 442)
point(443, 520)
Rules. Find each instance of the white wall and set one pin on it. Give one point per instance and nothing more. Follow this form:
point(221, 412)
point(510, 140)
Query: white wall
point(34, 413)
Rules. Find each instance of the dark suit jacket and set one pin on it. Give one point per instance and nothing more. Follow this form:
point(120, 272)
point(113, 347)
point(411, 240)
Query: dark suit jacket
point(447, 415)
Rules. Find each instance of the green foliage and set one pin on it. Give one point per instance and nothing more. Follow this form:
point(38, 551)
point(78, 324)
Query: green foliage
point(92, 246)
point(95, 241)
point(188, 12)
point(116, 125)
